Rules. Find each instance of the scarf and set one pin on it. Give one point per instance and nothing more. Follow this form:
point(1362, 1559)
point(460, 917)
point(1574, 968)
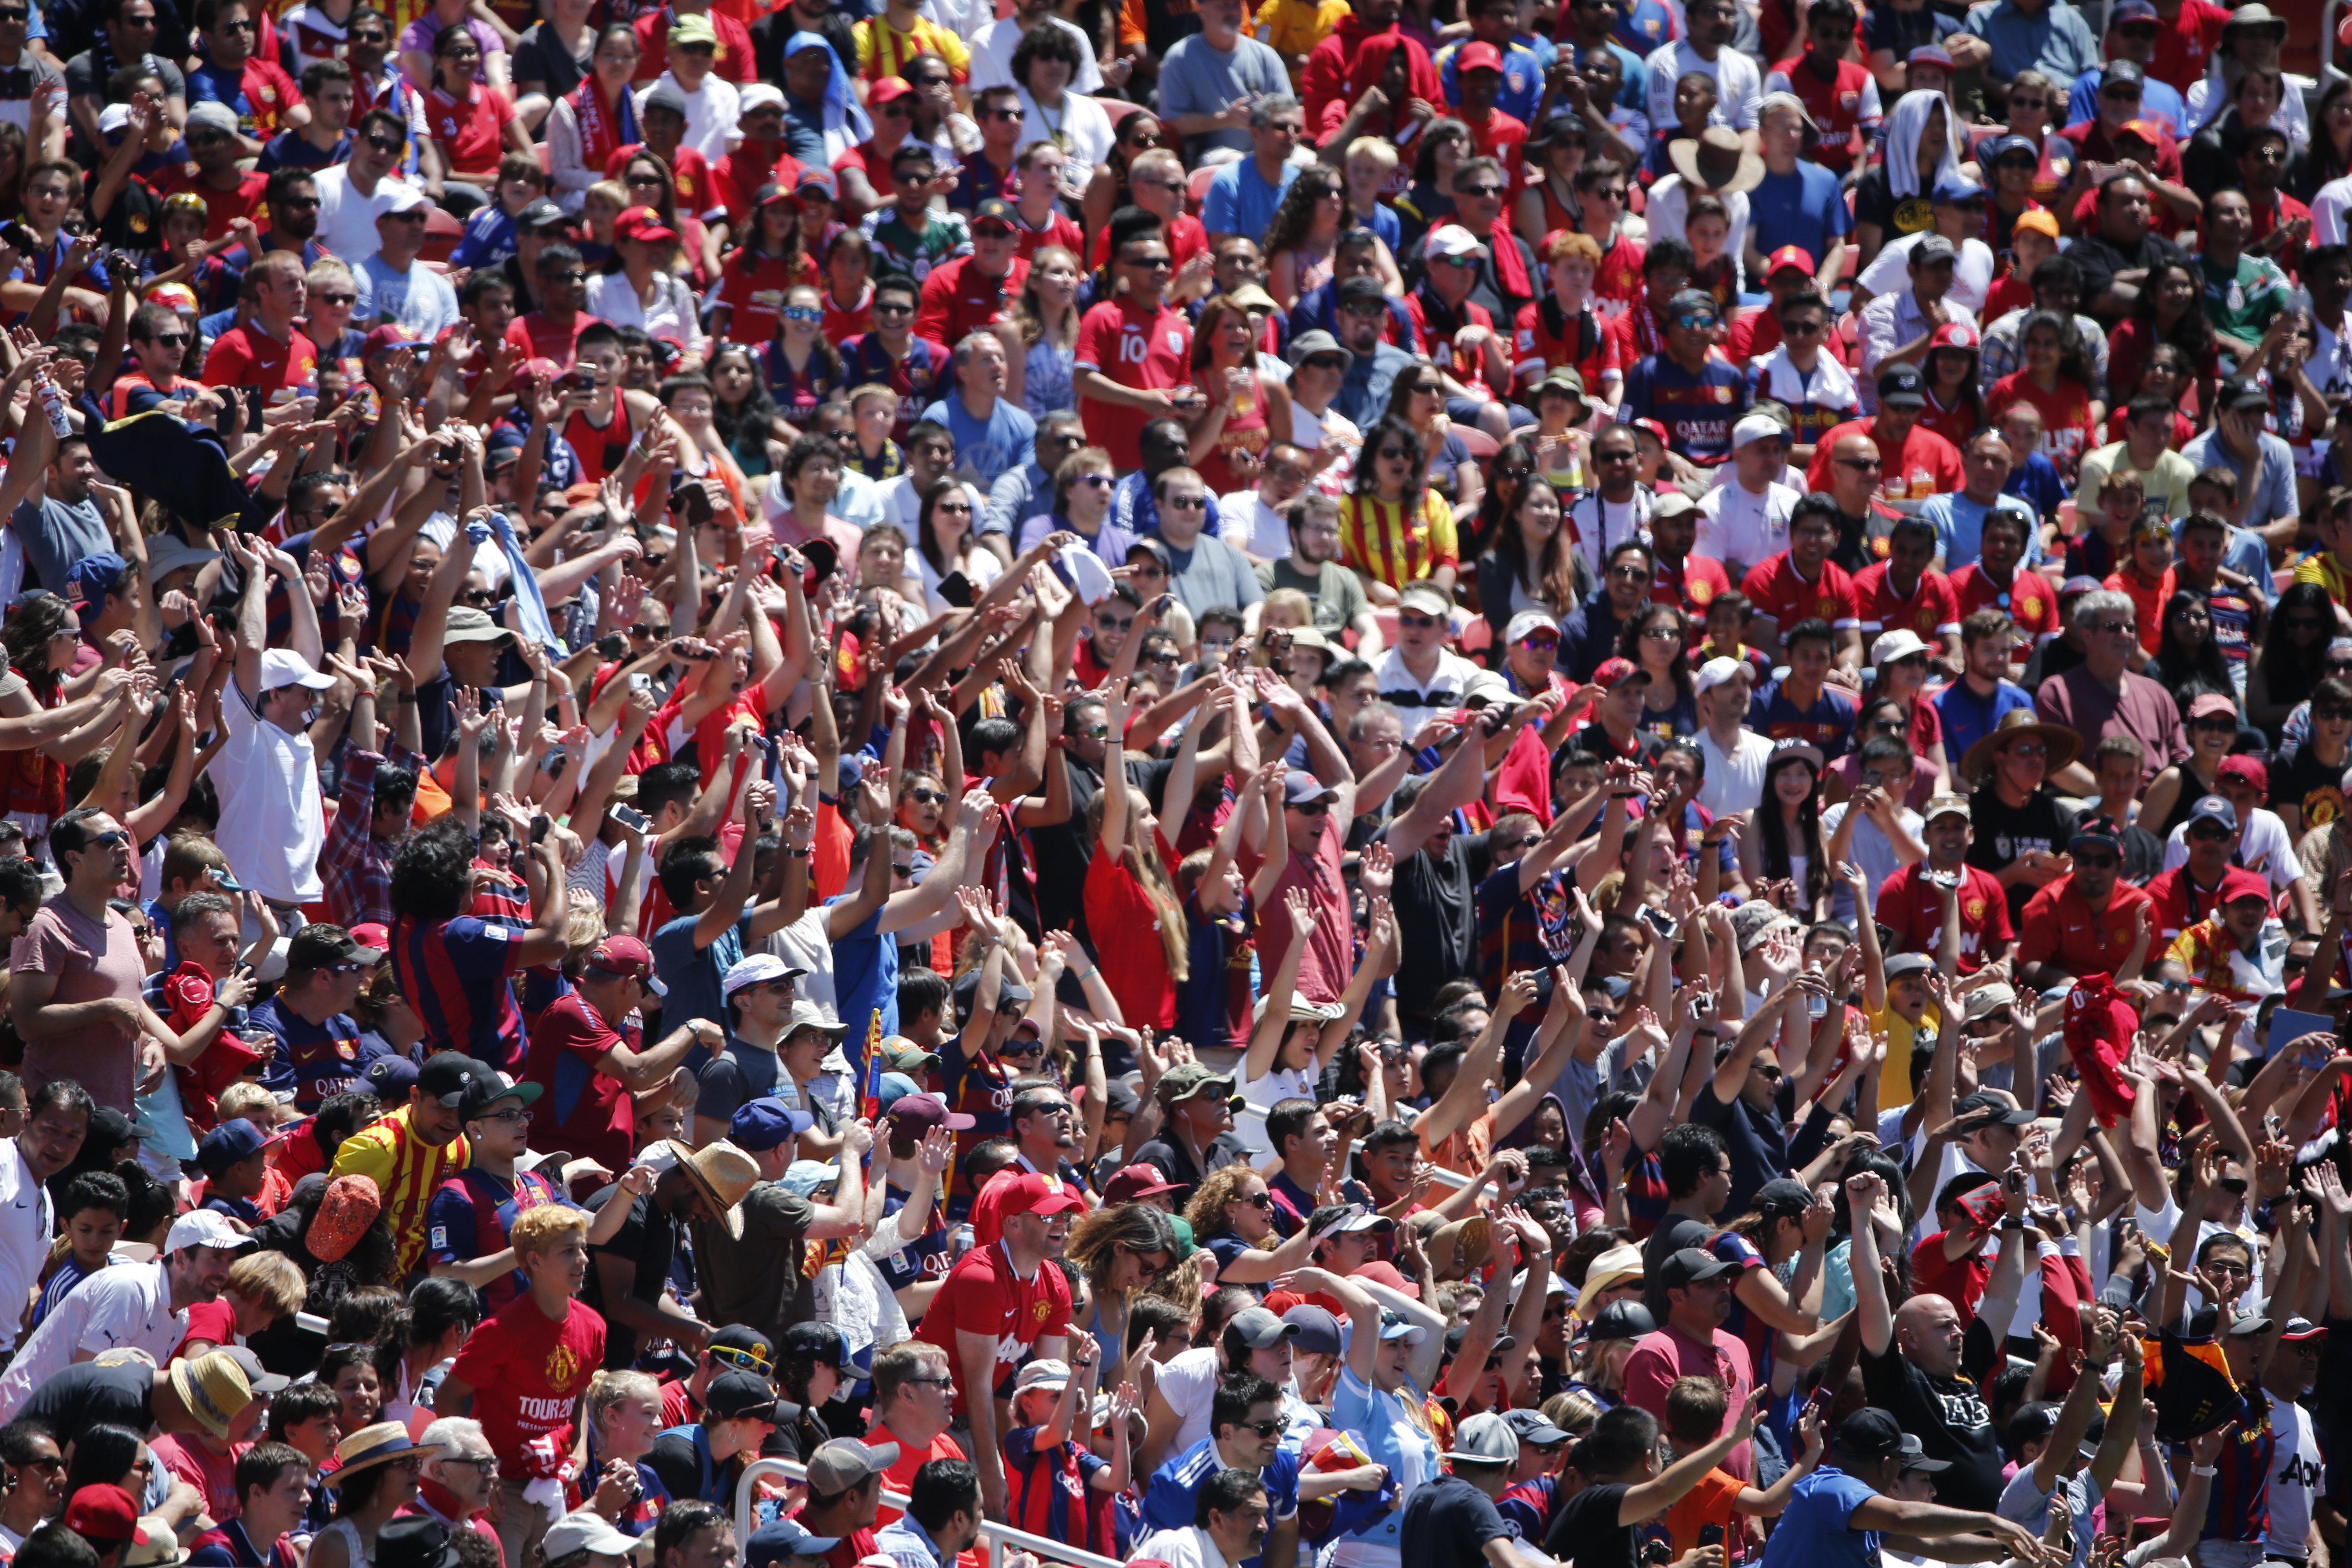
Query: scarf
point(842, 110)
point(1371, 63)
point(530, 605)
point(601, 135)
point(1510, 267)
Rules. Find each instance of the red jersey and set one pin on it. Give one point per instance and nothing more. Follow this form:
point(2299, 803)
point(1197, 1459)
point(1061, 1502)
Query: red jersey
point(1932, 610)
point(269, 92)
point(753, 287)
point(601, 448)
point(983, 1294)
point(740, 174)
point(958, 298)
point(2185, 41)
point(1755, 333)
point(1913, 911)
point(1120, 340)
point(527, 1374)
point(539, 336)
point(731, 63)
point(1059, 230)
point(2012, 292)
point(2066, 415)
point(1186, 238)
point(1835, 105)
point(471, 132)
point(1922, 466)
point(221, 207)
point(1500, 138)
point(2028, 600)
point(1776, 589)
point(1437, 344)
point(248, 356)
point(2060, 925)
point(591, 1111)
point(1693, 584)
point(1617, 284)
point(1545, 337)
point(841, 325)
point(2268, 216)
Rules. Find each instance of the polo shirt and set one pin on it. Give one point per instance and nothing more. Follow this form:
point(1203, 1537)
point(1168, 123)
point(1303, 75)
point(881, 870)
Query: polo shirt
point(1661, 1357)
point(26, 1218)
point(2060, 926)
point(2052, 39)
point(1814, 1532)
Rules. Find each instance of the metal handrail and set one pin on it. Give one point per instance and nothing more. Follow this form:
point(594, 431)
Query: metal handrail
point(997, 1536)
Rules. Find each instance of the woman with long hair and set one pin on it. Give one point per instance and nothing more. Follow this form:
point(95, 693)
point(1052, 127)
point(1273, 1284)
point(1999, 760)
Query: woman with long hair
point(1417, 397)
point(2173, 794)
point(800, 368)
point(1245, 405)
point(1303, 237)
point(106, 1454)
point(923, 800)
point(2189, 662)
point(743, 414)
point(1391, 499)
point(1781, 842)
point(2294, 656)
point(1124, 1250)
point(1429, 200)
point(1954, 410)
point(349, 1370)
point(1137, 134)
point(1041, 336)
point(848, 296)
point(775, 257)
point(595, 120)
point(42, 637)
point(2054, 377)
point(624, 1415)
point(375, 1480)
point(2170, 309)
point(1657, 640)
point(2329, 156)
point(1232, 1214)
point(1902, 679)
point(1043, 66)
point(809, 1362)
point(1131, 899)
point(467, 124)
point(638, 287)
point(420, 1337)
point(947, 539)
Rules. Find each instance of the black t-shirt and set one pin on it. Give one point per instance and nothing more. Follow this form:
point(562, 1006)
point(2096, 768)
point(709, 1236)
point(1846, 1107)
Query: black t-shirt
point(679, 1463)
point(2101, 258)
point(1674, 1233)
point(1757, 1139)
point(85, 1395)
point(1435, 901)
point(1062, 851)
point(1447, 1524)
point(2310, 785)
point(539, 56)
point(1951, 1417)
point(1875, 202)
point(2004, 833)
point(648, 1238)
point(1585, 1530)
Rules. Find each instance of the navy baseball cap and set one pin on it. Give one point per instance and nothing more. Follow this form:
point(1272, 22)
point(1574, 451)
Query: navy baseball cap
point(764, 1124)
point(94, 577)
point(231, 1142)
point(2001, 147)
point(391, 1078)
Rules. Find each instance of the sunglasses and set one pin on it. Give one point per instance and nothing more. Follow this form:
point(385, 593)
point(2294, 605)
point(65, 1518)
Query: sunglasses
point(922, 795)
point(2096, 862)
point(743, 1360)
point(803, 313)
point(1312, 807)
point(386, 145)
point(1262, 1201)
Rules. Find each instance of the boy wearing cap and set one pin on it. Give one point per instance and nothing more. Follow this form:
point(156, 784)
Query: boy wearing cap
point(1917, 902)
point(522, 1370)
point(588, 1053)
point(235, 1170)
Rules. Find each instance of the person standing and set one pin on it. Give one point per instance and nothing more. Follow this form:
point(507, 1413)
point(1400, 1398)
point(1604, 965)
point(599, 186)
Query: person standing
point(409, 1152)
point(56, 1120)
point(522, 1371)
point(1134, 354)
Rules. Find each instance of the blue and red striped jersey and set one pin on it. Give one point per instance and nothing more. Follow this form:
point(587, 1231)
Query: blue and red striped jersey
point(2239, 1508)
point(1051, 1492)
point(458, 975)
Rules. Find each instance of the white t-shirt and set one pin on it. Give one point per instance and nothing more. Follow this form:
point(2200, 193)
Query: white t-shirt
point(1598, 525)
point(670, 315)
point(24, 1236)
point(1247, 524)
point(346, 219)
point(272, 823)
point(1188, 1381)
point(711, 111)
point(804, 944)
point(1670, 201)
point(1735, 523)
point(1736, 782)
point(2298, 1476)
point(2266, 847)
point(1264, 1094)
point(128, 1306)
point(1889, 271)
point(993, 46)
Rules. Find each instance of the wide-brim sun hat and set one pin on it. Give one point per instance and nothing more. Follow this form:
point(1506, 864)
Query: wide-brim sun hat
point(375, 1446)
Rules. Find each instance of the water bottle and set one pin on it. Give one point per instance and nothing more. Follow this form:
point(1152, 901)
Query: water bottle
point(55, 402)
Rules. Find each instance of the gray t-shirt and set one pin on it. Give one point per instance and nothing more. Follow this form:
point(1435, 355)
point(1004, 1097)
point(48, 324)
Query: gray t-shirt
point(1198, 80)
point(2274, 488)
point(54, 535)
point(17, 85)
point(1337, 593)
point(83, 78)
point(1211, 575)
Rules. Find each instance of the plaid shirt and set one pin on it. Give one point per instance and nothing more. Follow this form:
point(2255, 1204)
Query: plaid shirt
point(354, 864)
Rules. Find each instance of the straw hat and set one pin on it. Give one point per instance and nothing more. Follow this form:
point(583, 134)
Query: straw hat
point(2063, 745)
point(720, 1172)
point(1717, 161)
point(213, 1389)
point(372, 1446)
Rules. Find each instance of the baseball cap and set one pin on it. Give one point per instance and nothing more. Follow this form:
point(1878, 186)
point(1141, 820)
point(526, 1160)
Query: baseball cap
point(770, 1543)
point(2243, 769)
point(1953, 188)
point(2007, 1114)
point(2213, 808)
point(1945, 805)
point(484, 1092)
point(2123, 70)
point(206, 1228)
point(1621, 1321)
point(1914, 1456)
point(1903, 387)
point(1929, 55)
point(916, 1114)
point(1034, 1192)
point(94, 577)
point(995, 209)
point(1452, 238)
point(643, 223)
point(585, 1529)
point(391, 1078)
point(628, 957)
point(759, 969)
point(1533, 1426)
point(1300, 788)
point(541, 213)
point(761, 1124)
point(693, 30)
point(2001, 147)
point(759, 95)
point(1755, 427)
point(1613, 673)
point(735, 1393)
point(1932, 248)
point(215, 115)
point(1907, 963)
point(104, 1513)
point(841, 1464)
point(321, 946)
point(1795, 256)
point(283, 667)
point(228, 1143)
point(2242, 395)
point(1691, 1265)
point(1485, 1439)
point(444, 1078)
point(1318, 1330)
point(1716, 671)
point(1869, 1433)
point(1422, 596)
point(1259, 1328)
point(1528, 622)
point(1315, 341)
point(1478, 54)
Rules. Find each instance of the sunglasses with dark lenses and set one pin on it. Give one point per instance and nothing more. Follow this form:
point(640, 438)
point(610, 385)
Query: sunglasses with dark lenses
point(742, 1360)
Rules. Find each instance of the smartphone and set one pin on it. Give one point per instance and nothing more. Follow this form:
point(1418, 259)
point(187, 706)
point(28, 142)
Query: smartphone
point(955, 588)
point(630, 817)
point(691, 503)
point(538, 826)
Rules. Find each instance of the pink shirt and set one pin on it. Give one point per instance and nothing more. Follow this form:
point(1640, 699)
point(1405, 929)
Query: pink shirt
point(93, 959)
point(1661, 1357)
point(1330, 951)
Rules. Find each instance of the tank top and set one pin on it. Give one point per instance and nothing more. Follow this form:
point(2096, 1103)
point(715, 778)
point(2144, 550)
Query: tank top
point(349, 1533)
point(601, 448)
point(1245, 431)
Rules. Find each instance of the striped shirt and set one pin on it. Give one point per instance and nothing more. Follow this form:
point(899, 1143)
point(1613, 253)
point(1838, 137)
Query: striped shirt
point(407, 1171)
point(883, 51)
point(1386, 543)
point(458, 974)
point(1052, 1493)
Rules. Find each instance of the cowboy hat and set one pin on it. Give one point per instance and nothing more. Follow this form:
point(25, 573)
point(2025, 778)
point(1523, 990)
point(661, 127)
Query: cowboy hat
point(378, 1445)
point(720, 1172)
point(1975, 764)
point(1716, 162)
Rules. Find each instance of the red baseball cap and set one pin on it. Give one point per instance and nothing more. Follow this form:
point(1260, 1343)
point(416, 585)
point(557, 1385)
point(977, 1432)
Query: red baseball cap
point(104, 1513)
point(2237, 882)
point(1615, 672)
point(1795, 256)
point(391, 335)
point(1137, 1182)
point(1478, 54)
point(1034, 1192)
point(644, 224)
point(889, 87)
point(2245, 769)
point(622, 955)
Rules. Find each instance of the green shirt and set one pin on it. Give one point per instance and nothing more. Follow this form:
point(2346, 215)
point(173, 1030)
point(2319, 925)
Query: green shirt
point(1337, 593)
point(903, 251)
point(2241, 302)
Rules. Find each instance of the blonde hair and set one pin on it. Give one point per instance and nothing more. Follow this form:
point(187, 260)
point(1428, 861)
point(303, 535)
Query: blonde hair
point(612, 190)
point(607, 1389)
point(1375, 149)
point(272, 1278)
point(327, 270)
point(544, 1228)
point(1286, 607)
point(250, 1100)
point(1156, 158)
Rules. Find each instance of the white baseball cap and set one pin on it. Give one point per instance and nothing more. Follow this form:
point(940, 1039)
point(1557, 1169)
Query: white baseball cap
point(1715, 672)
point(1757, 427)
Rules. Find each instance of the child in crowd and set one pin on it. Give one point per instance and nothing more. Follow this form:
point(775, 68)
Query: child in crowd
point(92, 1213)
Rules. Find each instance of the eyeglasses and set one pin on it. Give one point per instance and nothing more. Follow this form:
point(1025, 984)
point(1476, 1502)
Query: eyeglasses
point(1263, 1428)
point(1607, 193)
point(1261, 1201)
point(1661, 634)
point(2122, 628)
point(1396, 454)
point(364, 40)
point(1697, 322)
point(1149, 263)
point(1429, 388)
point(110, 840)
point(2026, 750)
point(1868, 463)
point(954, 506)
point(1417, 623)
point(1015, 115)
point(1168, 659)
point(520, 1117)
point(1477, 190)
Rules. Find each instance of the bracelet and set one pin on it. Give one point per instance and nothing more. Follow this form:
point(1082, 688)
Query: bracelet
point(2209, 1471)
point(801, 854)
point(1090, 969)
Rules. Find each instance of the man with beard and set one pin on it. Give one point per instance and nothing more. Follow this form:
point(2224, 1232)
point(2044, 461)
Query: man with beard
point(1374, 364)
point(2085, 922)
point(1313, 568)
point(133, 1306)
point(1001, 1306)
point(1916, 462)
point(552, 331)
point(2117, 259)
point(525, 1366)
